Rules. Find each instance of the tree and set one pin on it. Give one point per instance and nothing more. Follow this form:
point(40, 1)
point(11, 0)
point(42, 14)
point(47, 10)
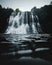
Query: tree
point(17, 10)
point(0, 7)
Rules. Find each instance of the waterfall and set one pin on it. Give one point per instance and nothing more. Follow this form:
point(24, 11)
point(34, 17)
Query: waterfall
point(33, 24)
point(22, 23)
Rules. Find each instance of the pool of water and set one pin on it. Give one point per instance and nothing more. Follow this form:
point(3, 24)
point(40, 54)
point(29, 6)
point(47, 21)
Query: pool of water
point(25, 37)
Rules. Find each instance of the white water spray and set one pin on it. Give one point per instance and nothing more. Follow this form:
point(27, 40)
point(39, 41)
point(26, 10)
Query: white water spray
point(22, 24)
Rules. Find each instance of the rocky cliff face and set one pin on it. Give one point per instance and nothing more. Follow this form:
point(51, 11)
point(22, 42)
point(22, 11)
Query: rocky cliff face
point(45, 17)
point(4, 16)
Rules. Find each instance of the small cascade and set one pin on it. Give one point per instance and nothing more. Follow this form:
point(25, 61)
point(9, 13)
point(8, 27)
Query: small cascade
point(23, 23)
point(38, 27)
point(33, 25)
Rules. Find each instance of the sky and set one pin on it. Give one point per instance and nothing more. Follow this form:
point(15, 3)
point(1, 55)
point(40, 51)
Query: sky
point(24, 5)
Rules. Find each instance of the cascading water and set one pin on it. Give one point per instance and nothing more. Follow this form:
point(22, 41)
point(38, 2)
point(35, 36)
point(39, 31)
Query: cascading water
point(22, 23)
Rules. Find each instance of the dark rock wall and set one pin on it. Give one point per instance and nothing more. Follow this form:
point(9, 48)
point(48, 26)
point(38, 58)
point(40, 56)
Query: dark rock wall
point(4, 16)
point(45, 17)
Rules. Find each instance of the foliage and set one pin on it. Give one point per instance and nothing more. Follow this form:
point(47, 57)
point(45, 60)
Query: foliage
point(0, 7)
